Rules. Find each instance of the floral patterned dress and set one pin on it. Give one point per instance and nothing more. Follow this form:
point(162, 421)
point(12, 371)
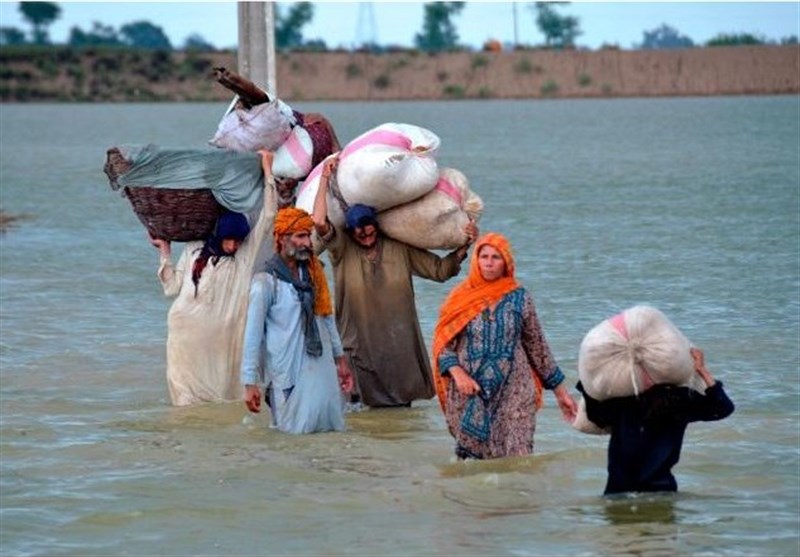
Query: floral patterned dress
point(501, 348)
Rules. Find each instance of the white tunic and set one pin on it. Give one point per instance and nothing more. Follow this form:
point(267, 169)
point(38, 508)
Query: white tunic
point(204, 340)
point(306, 397)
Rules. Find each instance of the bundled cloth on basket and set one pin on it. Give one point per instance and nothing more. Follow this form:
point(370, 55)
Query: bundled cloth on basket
point(179, 193)
point(263, 126)
point(630, 352)
point(299, 141)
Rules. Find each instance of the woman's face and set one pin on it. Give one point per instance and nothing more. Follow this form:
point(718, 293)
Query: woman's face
point(230, 245)
point(491, 263)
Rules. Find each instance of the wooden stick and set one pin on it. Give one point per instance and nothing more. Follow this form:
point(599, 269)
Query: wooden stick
point(248, 91)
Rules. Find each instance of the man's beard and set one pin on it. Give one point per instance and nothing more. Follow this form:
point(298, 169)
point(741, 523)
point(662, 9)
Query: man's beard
point(299, 253)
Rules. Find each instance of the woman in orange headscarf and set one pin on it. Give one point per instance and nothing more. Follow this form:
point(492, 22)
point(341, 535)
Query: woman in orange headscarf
point(491, 359)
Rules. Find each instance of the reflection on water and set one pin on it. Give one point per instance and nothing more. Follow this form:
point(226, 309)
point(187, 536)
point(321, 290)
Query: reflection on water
point(688, 204)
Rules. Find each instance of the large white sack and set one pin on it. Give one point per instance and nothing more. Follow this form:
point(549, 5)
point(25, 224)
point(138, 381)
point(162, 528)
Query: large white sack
point(630, 352)
point(293, 158)
point(437, 219)
point(386, 166)
point(264, 126)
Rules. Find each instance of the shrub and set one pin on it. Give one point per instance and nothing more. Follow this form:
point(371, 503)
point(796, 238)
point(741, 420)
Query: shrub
point(584, 80)
point(479, 61)
point(549, 87)
point(353, 70)
point(523, 66)
point(382, 81)
point(455, 91)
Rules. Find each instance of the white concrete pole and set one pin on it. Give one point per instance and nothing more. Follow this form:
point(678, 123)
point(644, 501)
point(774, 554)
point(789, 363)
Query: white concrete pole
point(256, 57)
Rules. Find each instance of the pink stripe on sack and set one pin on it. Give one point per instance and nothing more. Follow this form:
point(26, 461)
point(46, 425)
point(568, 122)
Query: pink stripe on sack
point(315, 172)
point(379, 137)
point(618, 322)
point(447, 188)
point(296, 151)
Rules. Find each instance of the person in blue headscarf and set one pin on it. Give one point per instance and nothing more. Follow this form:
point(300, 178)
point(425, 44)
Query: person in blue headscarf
point(211, 284)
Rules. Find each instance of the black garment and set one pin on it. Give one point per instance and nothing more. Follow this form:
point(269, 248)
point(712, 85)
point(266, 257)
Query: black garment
point(647, 432)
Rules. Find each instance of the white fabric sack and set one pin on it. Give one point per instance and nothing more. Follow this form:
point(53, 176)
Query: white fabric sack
point(386, 166)
point(293, 158)
point(264, 126)
point(437, 219)
point(628, 353)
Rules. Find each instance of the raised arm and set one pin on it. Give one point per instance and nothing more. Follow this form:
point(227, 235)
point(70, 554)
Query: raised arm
point(320, 215)
point(252, 245)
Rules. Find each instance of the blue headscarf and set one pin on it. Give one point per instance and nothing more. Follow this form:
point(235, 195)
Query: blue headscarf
point(230, 225)
point(359, 216)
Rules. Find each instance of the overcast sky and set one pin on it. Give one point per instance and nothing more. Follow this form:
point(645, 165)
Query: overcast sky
point(395, 23)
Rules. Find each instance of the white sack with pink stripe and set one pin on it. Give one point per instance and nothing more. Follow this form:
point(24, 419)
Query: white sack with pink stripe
point(632, 351)
point(437, 219)
point(293, 158)
point(384, 167)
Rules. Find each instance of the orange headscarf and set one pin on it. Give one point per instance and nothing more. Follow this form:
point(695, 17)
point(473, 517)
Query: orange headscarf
point(468, 299)
point(289, 221)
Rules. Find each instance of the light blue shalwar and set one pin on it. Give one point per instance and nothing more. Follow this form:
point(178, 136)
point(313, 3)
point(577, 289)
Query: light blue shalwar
point(306, 397)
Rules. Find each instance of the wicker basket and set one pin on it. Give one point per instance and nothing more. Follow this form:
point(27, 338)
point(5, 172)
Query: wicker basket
point(179, 215)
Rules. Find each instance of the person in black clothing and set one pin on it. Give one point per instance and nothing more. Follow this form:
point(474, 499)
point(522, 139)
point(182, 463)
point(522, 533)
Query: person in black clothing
point(647, 430)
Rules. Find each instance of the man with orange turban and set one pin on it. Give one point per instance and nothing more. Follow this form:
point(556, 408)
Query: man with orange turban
point(290, 322)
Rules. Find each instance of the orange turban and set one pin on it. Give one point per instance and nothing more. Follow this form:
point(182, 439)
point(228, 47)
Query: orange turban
point(291, 220)
point(468, 299)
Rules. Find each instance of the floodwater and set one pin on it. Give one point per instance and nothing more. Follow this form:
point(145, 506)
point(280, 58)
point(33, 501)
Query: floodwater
point(691, 205)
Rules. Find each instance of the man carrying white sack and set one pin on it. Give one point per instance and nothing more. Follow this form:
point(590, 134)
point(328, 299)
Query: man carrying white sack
point(658, 384)
point(375, 307)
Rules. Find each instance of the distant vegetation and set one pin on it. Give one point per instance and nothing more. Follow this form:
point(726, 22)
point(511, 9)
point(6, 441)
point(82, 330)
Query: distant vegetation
point(439, 33)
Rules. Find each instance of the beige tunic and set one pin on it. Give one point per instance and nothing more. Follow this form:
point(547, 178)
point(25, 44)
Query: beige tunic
point(377, 317)
point(204, 339)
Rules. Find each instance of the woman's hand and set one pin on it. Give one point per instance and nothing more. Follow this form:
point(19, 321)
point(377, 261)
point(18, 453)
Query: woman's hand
point(465, 384)
point(700, 366)
point(567, 404)
point(162, 245)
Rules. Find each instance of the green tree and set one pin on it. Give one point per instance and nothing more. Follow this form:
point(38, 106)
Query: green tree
point(665, 37)
point(100, 34)
point(196, 42)
point(735, 39)
point(40, 15)
point(144, 34)
point(559, 31)
point(289, 27)
point(11, 35)
point(438, 32)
